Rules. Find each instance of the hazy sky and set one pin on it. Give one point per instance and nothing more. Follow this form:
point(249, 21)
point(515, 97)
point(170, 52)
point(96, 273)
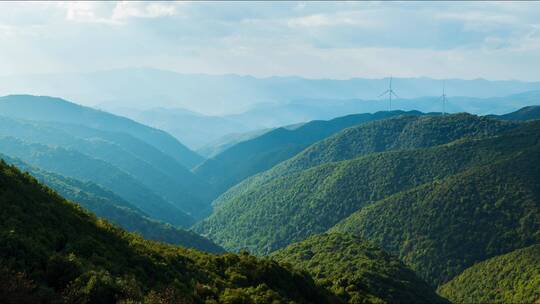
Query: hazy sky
point(494, 40)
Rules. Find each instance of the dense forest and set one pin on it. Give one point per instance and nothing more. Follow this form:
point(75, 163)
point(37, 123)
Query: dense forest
point(357, 271)
point(390, 134)
point(442, 227)
point(290, 208)
point(509, 278)
point(53, 251)
point(263, 152)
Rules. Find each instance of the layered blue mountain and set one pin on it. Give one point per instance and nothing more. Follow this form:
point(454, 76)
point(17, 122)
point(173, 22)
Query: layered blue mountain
point(145, 163)
point(230, 94)
point(43, 108)
point(192, 129)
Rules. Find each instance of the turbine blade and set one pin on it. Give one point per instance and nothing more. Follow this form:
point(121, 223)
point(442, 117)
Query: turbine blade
point(392, 92)
point(385, 92)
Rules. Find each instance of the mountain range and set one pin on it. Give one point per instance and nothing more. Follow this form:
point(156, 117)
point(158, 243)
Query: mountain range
point(233, 94)
point(384, 207)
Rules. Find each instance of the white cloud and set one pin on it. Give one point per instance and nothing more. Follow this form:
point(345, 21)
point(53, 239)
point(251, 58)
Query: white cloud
point(314, 39)
point(144, 10)
point(354, 18)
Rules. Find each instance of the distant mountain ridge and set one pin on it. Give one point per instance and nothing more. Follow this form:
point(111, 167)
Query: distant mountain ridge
point(50, 109)
point(229, 94)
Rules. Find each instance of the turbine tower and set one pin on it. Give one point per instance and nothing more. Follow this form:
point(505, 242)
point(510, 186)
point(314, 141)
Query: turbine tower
point(390, 93)
point(443, 97)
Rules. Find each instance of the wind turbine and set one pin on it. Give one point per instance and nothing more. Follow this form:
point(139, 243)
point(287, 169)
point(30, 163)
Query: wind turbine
point(443, 97)
point(390, 93)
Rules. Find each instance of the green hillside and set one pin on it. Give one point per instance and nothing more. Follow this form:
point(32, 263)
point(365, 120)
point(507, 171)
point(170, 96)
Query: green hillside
point(445, 226)
point(111, 207)
point(155, 170)
point(357, 271)
point(43, 108)
point(292, 207)
point(526, 113)
point(52, 251)
point(510, 278)
point(263, 152)
point(397, 133)
point(70, 163)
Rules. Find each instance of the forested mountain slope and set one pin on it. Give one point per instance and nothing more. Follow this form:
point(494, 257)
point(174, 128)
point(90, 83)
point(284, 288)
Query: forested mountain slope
point(290, 208)
point(261, 153)
point(389, 134)
point(442, 227)
point(509, 278)
point(108, 205)
point(43, 108)
point(155, 170)
point(356, 270)
point(527, 113)
point(52, 251)
point(71, 163)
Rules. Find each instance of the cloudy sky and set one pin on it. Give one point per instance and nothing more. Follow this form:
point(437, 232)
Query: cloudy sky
point(493, 40)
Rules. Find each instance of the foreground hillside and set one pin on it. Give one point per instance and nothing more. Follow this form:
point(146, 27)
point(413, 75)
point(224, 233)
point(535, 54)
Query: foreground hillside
point(109, 206)
point(442, 227)
point(357, 270)
point(52, 250)
point(290, 208)
point(510, 278)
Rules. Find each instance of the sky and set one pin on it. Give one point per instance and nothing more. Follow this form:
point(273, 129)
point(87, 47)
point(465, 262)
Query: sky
point(492, 40)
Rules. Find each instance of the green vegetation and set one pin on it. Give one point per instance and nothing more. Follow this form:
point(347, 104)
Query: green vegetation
point(391, 134)
point(54, 251)
point(510, 278)
point(357, 271)
point(292, 207)
point(71, 163)
point(526, 113)
point(263, 152)
point(108, 205)
point(447, 225)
